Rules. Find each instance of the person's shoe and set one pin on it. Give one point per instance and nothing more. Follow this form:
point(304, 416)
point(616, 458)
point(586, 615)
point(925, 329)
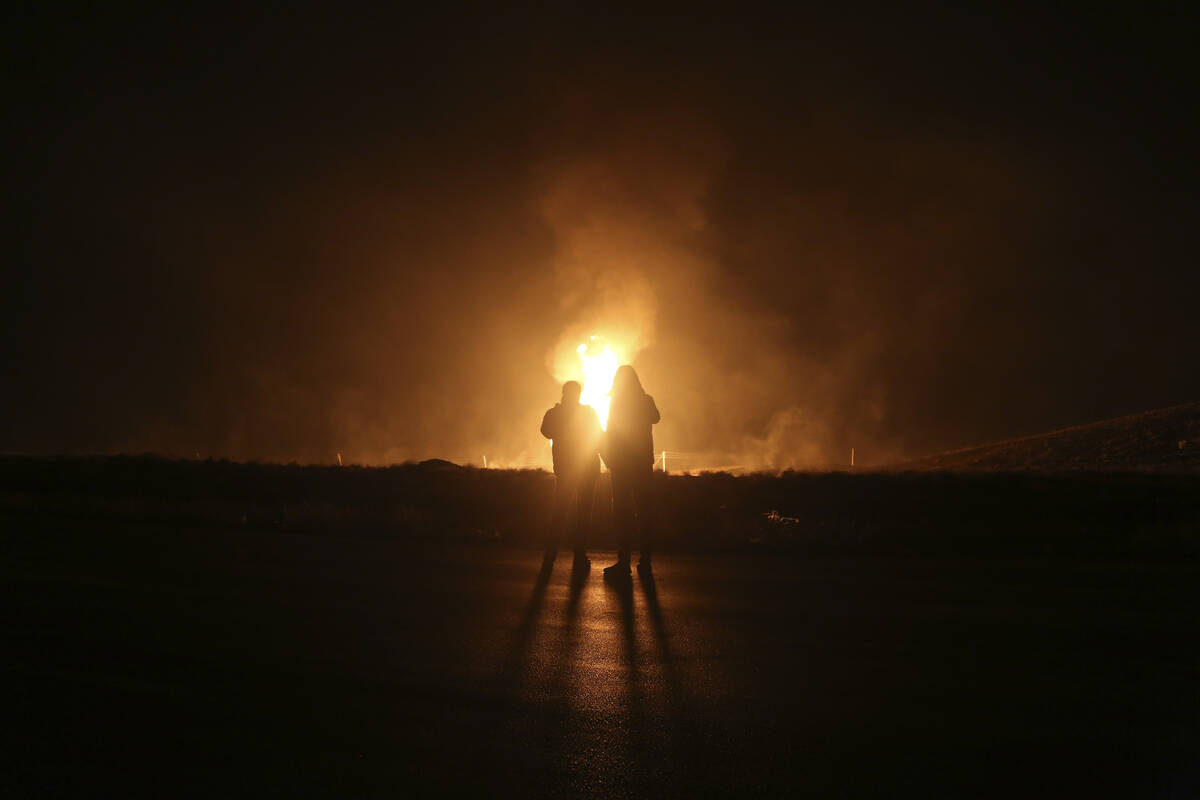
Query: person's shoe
point(618, 573)
point(581, 563)
point(644, 569)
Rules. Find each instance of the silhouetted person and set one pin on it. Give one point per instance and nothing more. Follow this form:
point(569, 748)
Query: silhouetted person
point(575, 431)
point(628, 450)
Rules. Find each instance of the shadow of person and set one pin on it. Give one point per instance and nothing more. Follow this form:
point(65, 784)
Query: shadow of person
point(624, 594)
point(579, 576)
point(529, 618)
point(569, 636)
point(527, 714)
point(675, 736)
point(639, 741)
point(654, 610)
point(659, 627)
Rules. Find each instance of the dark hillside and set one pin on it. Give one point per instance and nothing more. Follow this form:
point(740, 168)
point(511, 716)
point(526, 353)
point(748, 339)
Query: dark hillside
point(894, 514)
point(1166, 440)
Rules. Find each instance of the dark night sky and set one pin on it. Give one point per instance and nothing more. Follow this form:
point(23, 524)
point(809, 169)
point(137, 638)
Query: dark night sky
point(280, 234)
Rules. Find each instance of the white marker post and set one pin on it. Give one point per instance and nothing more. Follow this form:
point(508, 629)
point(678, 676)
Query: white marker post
point(664, 459)
point(851, 458)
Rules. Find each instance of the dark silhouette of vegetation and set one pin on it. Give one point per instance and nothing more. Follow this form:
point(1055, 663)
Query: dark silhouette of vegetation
point(892, 514)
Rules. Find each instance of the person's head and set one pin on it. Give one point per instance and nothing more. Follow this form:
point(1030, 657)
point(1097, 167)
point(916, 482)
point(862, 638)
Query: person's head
point(626, 383)
point(571, 392)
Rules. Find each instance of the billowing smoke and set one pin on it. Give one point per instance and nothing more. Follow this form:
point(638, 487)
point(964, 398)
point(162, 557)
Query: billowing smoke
point(624, 216)
point(290, 259)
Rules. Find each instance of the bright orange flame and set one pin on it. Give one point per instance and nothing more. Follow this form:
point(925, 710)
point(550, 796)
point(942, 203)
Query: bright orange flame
point(599, 364)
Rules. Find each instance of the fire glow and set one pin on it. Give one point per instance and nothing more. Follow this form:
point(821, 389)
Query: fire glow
point(599, 364)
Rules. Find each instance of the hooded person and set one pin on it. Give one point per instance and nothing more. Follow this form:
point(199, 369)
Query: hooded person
point(574, 431)
point(628, 451)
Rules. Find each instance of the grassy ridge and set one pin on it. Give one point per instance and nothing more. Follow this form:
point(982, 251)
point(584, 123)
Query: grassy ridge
point(1163, 440)
point(893, 514)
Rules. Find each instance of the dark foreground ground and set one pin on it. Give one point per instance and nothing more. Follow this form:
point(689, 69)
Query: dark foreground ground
point(229, 661)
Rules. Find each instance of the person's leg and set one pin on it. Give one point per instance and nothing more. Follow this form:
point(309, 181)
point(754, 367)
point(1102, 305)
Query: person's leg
point(558, 516)
point(585, 493)
point(643, 487)
point(623, 514)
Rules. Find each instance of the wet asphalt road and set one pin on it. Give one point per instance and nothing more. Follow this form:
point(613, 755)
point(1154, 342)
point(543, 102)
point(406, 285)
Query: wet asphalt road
point(204, 662)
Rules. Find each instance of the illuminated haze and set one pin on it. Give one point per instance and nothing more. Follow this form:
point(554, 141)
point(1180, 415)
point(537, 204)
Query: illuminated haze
point(282, 239)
